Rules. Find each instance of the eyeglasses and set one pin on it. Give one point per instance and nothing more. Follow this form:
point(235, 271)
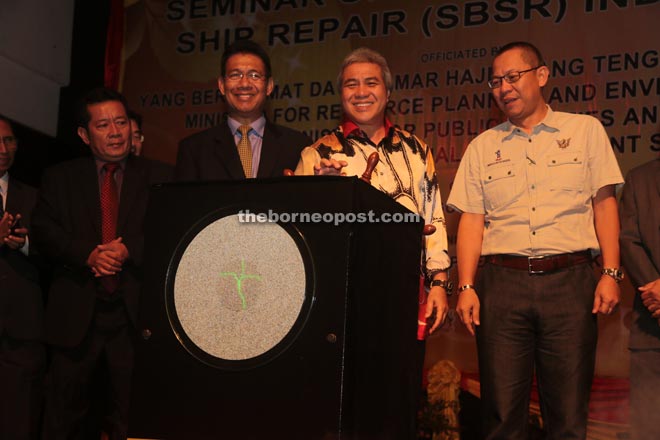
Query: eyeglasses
point(9, 141)
point(138, 137)
point(252, 76)
point(510, 78)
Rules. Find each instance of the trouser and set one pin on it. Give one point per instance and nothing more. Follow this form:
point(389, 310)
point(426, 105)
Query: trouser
point(644, 394)
point(22, 365)
point(69, 378)
point(536, 323)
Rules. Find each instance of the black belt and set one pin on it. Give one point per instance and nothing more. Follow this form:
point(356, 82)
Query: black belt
point(540, 265)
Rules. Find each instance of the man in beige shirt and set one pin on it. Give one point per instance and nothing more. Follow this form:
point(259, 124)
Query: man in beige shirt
point(537, 196)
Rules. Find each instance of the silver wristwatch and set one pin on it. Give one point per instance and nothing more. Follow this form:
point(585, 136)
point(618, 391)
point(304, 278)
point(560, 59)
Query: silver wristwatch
point(613, 272)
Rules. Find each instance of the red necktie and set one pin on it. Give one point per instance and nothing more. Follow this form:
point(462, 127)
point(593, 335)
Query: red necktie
point(109, 209)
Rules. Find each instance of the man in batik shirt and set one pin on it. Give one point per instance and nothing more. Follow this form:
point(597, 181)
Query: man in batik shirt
point(405, 170)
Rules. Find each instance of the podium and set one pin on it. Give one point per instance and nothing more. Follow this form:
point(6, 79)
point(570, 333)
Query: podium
point(298, 322)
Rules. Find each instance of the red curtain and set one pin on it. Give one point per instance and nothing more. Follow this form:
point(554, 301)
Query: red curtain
point(113, 44)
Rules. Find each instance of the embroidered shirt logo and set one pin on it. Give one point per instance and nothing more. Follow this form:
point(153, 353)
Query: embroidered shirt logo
point(563, 143)
point(498, 156)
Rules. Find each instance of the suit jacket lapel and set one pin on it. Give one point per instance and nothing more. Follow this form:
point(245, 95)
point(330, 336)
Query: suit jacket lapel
point(270, 152)
point(13, 203)
point(227, 153)
point(130, 187)
point(88, 183)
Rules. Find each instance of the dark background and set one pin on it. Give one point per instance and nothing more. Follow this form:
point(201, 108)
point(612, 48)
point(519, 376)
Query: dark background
point(36, 151)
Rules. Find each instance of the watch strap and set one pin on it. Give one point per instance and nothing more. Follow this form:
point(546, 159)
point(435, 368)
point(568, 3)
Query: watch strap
point(445, 284)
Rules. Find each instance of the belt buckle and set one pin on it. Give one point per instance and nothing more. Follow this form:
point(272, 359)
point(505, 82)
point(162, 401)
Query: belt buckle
point(529, 265)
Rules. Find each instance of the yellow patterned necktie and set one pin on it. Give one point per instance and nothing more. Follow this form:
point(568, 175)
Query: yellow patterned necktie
point(245, 150)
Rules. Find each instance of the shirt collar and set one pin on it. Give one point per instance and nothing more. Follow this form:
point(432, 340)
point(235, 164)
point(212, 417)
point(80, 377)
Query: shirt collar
point(547, 124)
point(257, 125)
point(99, 164)
point(4, 183)
point(349, 127)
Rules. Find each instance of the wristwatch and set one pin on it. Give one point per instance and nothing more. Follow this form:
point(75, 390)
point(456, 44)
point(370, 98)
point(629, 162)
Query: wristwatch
point(445, 284)
point(613, 272)
point(465, 287)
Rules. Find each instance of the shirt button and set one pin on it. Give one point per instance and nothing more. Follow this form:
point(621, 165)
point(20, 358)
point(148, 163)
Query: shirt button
point(533, 208)
point(533, 186)
point(529, 140)
point(533, 232)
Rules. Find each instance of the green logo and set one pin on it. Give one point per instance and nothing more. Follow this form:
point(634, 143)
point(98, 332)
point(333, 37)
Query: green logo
point(239, 278)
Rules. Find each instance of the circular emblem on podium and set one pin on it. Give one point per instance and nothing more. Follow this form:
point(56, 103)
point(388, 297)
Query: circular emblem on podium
point(238, 292)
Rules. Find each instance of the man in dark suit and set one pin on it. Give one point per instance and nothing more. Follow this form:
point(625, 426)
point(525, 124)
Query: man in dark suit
point(640, 249)
point(223, 152)
point(22, 355)
point(89, 222)
point(137, 136)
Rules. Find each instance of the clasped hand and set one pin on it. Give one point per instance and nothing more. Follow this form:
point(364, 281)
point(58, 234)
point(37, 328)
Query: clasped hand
point(650, 293)
point(107, 259)
point(12, 233)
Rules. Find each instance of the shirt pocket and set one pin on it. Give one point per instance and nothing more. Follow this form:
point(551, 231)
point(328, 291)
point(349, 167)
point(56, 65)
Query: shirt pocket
point(566, 171)
point(500, 186)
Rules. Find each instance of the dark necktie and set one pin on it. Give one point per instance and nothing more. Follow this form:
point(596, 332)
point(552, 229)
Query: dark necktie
point(245, 150)
point(109, 209)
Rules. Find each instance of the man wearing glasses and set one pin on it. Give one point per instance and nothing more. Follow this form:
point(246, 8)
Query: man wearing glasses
point(246, 145)
point(22, 356)
point(537, 196)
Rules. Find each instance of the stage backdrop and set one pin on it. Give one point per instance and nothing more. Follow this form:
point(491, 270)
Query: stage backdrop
point(603, 57)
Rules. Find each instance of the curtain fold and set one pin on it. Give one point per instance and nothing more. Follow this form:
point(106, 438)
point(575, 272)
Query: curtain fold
point(113, 45)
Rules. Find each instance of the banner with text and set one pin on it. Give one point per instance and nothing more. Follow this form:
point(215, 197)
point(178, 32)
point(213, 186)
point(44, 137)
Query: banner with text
point(603, 57)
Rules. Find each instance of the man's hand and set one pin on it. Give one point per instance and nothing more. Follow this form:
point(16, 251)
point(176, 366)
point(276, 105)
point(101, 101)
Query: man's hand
point(468, 309)
point(330, 167)
point(5, 226)
point(16, 238)
point(437, 300)
point(107, 259)
point(117, 248)
point(651, 297)
point(607, 295)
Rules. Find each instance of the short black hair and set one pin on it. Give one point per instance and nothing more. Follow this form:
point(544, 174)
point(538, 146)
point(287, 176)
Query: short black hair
point(245, 46)
point(96, 96)
point(531, 53)
point(136, 117)
point(8, 122)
